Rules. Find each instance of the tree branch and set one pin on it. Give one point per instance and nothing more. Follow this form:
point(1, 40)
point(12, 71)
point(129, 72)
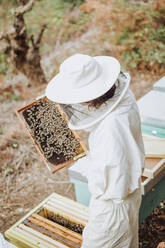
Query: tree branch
point(38, 39)
point(32, 40)
point(24, 8)
point(22, 2)
point(4, 36)
point(7, 45)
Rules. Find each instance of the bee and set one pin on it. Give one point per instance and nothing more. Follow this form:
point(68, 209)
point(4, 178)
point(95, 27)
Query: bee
point(65, 222)
point(50, 131)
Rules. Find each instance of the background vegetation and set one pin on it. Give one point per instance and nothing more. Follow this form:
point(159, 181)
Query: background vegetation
point(135, 30)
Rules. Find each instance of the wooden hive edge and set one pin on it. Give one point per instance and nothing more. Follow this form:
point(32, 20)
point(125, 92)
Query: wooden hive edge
point(38, 207)
point(69, 201)
point(151, 173)
point(70, 207)
point(33, 238)
point(63, 165)
point(155, 155)
point(150, 183)
point(143, 184)
point(66, 215)
point(21, 240)
point(67, 212)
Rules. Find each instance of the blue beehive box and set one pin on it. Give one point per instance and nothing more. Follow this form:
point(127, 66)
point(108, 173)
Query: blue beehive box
point(160, 85)
point(152, 109)
point(153, 130)
point(81, 187)
point(152, 113)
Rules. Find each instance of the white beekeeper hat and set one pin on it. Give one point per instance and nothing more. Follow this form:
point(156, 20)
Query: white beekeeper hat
point(82, 78)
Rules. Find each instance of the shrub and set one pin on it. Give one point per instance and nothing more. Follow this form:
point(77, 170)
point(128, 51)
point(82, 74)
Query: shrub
point(134, 30)
point(139, 34)
point(3, 63)
point(8, 1)
point(74, 2)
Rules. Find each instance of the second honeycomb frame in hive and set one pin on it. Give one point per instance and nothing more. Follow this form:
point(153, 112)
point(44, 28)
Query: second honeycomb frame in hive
point(73, 136)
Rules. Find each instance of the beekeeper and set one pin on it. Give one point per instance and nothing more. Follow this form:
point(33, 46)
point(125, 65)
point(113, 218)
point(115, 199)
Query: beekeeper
point(98, 95)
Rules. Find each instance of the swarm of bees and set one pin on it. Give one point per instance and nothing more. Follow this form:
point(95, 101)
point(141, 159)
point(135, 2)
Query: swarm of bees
point(50, 131)
point(65, 222)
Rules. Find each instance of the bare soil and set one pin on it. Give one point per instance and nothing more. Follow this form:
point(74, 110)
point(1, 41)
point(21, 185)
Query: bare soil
point(152, 230)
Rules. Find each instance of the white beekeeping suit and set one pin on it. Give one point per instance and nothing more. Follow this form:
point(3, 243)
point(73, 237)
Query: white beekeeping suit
point(113, 168)
point(115, 160)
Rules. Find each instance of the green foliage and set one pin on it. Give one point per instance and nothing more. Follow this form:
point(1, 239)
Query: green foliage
point(50, 13)
point(140, 35)
point(10, 95)
point(137, 31)
point(1, 130)
point(74, 2)
point(8, 1)
point(78, 24)
point(3, 63)
point(56, 14)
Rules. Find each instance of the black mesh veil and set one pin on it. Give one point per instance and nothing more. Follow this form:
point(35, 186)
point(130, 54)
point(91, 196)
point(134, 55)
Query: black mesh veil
point(81, 116)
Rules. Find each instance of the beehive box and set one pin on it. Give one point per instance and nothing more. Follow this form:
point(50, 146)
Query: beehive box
point(154, 146)
point(153, 167)
point(149, 183)
point(57, 222)
point(47, 126)
point(152, 110)
point(160, 85)
point(153, 131)
point(153, 172)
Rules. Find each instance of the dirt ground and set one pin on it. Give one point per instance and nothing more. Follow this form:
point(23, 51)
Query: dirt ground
point(152, 230)
point(24, 179)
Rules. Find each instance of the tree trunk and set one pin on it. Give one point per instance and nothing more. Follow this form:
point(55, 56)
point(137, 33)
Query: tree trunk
point(25, 58)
